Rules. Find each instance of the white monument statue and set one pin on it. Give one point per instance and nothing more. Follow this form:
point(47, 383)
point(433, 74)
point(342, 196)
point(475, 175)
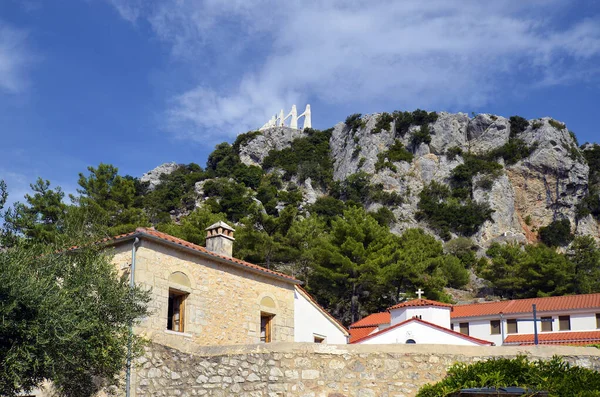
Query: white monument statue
point(279, 120)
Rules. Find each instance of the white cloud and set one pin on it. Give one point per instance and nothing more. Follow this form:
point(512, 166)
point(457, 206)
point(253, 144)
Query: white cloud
point(435, 54)
point(14, 59)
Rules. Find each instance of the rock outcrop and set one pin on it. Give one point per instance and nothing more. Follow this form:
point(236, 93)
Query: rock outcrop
point(255, 151)
point(153, 177)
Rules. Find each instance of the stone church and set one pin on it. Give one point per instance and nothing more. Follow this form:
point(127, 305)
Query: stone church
point(204, 296)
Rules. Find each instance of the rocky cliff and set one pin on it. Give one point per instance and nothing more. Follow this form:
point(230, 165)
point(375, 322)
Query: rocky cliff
point(545, 185)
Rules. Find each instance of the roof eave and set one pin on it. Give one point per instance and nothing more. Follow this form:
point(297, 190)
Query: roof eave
point(203, 255)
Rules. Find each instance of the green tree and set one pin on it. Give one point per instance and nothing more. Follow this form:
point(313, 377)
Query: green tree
point(347, 264)
point(3, 194)
point(65, 317)
point(585, 256)
point(39, 218)
point(526, 272)
point(192, 227)
point(557, 233)
point(111, 197)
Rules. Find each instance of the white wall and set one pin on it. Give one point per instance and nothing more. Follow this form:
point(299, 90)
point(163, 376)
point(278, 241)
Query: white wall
point(310, 321)
point(480, 328)
point(436, 315)
point(420, 333)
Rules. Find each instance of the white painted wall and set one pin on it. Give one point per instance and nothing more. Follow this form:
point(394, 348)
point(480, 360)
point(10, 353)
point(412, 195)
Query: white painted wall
point(310, 321)
point(480, 327)
point(436, 315)
point(420, 333)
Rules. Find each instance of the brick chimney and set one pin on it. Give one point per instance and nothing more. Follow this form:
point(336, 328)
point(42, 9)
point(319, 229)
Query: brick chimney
point(219, 238)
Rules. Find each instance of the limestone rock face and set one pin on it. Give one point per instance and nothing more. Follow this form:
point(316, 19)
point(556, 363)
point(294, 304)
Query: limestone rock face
point(545, 186)
point(255, 151)
point(153, 176)
point(487, 132)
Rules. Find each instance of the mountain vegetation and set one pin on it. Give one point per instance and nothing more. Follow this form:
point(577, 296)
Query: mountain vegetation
point(355, 244)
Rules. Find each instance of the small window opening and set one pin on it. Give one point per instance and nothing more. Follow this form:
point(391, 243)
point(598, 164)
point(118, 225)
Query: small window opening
point(464, 328)
point(511, 326)
point(176, 311)
point(266, 327)
point(495, 327)
point(564, 323)
point(547, 324)
point(410, 342)
point(319, 339)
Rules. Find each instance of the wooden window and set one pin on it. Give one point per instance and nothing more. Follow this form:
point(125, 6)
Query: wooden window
point(547, 325)
point(176, 311)
point(266, 327)
point(464, 328)
point(495, 327)
point(597, 320)
point(319, 339)
point(511, 326)
point(564, 323)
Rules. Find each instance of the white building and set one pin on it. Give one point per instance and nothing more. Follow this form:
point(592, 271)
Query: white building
point(312, 323)
point(572, 320)
point(418, 321)
point(569, 320)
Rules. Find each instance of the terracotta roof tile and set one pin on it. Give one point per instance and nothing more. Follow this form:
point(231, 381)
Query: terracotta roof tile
point(553, 303)
point(447, 330)
point(419, 302)
point(556, 338)
point(360, 332)
point(373, 320)
point(187, 244)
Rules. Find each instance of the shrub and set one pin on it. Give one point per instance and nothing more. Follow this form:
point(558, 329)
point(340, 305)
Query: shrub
point(513, 151)
point(574, 137)
point(461, 178)
point(396, 152)
point(454, 151)
point(384, 216)
point(446, 214)
point(354, 122)
point(536, 124)
point(243, 139)
point(383, 123)
point(307, 157)
point(554, 376)
point(557, 233)
point(357, 188)
point(403, 120)
point(517, 125)
point(557, 124)
point(422, 135)
point(361, 162)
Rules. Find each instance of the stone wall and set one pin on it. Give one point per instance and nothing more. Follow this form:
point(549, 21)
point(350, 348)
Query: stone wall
point(314, 370)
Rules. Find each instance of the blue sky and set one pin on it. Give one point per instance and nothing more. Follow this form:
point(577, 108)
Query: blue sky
point(136, 83)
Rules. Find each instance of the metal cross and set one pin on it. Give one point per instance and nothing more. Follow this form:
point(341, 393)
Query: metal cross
point(535, 321)
point(420, 292)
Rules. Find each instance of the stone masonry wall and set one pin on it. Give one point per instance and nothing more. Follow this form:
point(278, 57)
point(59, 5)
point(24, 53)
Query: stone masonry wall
point(223, 305)
point(314, 370)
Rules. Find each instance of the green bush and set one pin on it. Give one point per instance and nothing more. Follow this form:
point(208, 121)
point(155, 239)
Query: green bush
point(536, 124)
point(354, 122)
point(513, 151)
point(422, 135)
point(557, 233)
point(383, 123)
point(384, 216)
point(555, 376)
point(517, 125)
point(461, 178)
point(557, 124)
point(403, 120)
point(396, 152)
point(307, 157)
point(243, 139)
point(446, 214)
point(453, 152)
point(357, 188)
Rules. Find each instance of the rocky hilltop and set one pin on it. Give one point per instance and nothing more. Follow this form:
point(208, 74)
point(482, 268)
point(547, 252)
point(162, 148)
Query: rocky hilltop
point(540, 172)
point(544, 186)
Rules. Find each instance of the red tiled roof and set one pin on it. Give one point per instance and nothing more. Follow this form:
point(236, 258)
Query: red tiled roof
point(359, 333)
point(556, 338)
point(373, 320)
point(325, 312)
point(553, 303)
point(447, 330)
point(140, 231)
point(419, 302)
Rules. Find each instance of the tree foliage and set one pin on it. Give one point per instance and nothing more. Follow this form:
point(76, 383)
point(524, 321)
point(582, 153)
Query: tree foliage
point(557, 234)
point(65, 316)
